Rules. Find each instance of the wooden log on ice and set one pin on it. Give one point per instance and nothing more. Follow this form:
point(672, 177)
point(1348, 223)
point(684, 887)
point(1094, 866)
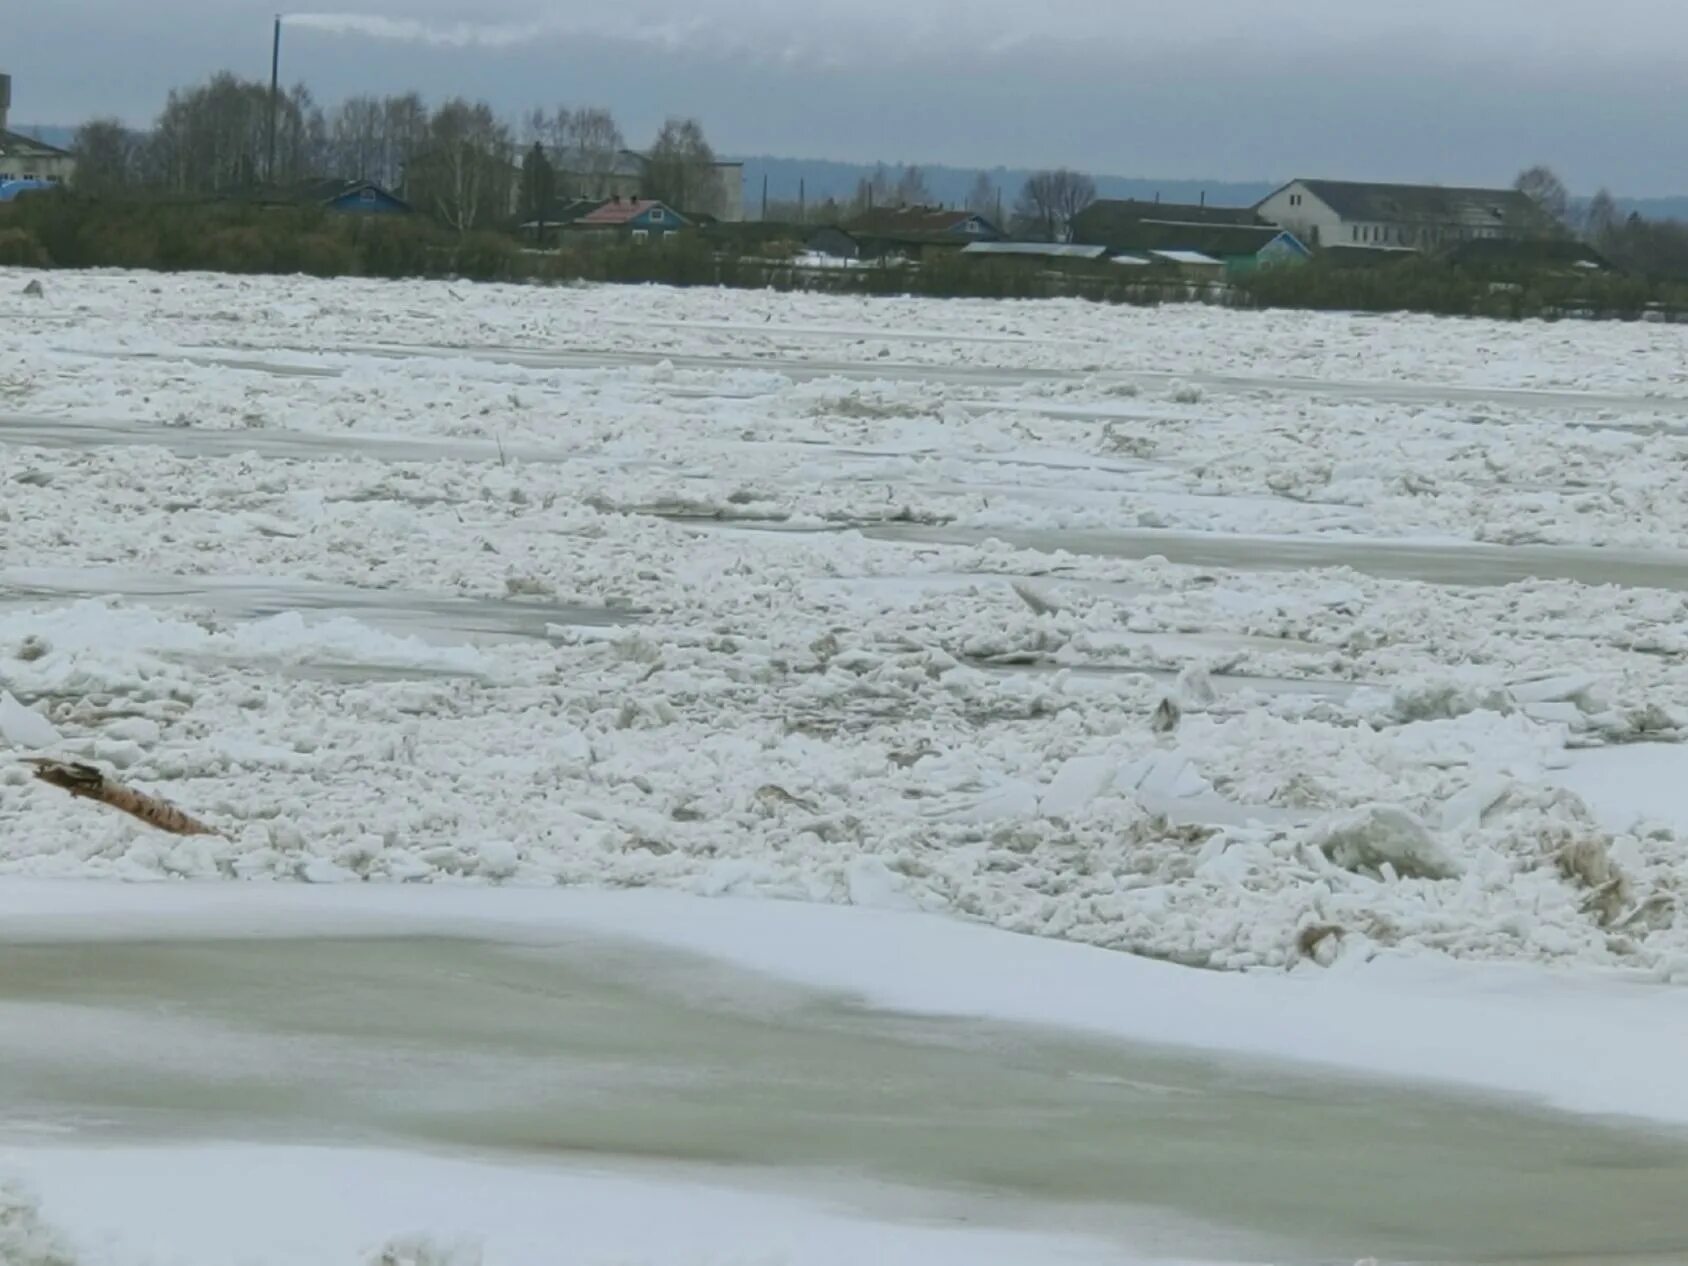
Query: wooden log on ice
point(87, 783)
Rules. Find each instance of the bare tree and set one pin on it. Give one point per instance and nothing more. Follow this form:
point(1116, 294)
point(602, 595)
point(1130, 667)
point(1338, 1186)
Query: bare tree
point(213, 137)
point(302, 142)
point(404, 135)
point(1543, 187)
point(537, 128)
point(1051, 199)
point(878, 189)
point(355, 139)
point(1602, 218)
point(680, 169)
point(984, 197)
point(107, 157)
point(588, 147)
point(465, 174)
point(911, 188)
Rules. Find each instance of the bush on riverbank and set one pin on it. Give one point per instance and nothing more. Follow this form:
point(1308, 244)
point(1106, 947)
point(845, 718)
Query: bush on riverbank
point(66, 231)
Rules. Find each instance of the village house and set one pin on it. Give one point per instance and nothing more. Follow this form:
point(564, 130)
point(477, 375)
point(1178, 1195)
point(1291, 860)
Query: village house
point(637, 219)
point(909, 232)
point(1192, 237)
point(624, 174)
point(1339, 213)
point(23, 158)
point(344, 197)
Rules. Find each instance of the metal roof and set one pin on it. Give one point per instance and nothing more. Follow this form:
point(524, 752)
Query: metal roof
point(1426, 204)
point(1111, 216)
point(901, 221)
point(1186, 257)
point(17, 145)
point(1052, 250)
point(617, 212)
point(1137, 236)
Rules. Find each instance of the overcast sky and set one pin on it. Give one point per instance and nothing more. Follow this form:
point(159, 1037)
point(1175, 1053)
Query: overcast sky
point(1452, 91)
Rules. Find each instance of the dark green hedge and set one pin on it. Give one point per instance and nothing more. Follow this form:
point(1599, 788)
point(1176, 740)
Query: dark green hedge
point(65, 231)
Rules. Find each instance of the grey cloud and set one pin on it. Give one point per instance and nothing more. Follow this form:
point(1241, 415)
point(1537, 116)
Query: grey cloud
point(1451, 90)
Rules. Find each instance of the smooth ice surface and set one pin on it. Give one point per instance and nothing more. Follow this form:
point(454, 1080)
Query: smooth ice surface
point(582, 1045)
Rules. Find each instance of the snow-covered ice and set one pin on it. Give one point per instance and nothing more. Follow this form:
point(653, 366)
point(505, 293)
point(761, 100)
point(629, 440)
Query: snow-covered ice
point(301, 1206)
point(858, 602)
point(468, 608)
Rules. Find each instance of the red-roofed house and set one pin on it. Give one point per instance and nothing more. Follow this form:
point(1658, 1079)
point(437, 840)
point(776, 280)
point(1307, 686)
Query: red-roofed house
point(639, 218)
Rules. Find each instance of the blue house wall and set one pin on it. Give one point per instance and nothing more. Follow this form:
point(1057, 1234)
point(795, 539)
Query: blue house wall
point(976, 228)
point(368, 200)
point(657, 220)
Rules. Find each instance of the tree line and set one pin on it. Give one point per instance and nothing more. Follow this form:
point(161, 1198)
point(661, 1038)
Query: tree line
point(459, 160)
point(1043, 208)
point(1632, 243)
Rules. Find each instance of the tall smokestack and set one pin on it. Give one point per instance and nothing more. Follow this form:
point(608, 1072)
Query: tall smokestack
point(5, 100)
point(275, 95)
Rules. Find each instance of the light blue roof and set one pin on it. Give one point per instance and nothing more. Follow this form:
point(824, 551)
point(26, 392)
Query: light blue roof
point(12, 188)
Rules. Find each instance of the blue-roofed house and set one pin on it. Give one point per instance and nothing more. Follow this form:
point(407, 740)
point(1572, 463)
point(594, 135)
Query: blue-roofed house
point(344, 197)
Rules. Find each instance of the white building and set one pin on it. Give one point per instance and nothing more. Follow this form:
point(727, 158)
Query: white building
point(24, 157)
point(1327, 213)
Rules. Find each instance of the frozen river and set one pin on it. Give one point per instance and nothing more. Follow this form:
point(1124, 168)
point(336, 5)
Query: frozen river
point(993, 783)
point(591, 1052)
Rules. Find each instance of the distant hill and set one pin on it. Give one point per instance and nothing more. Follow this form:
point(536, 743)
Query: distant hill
point(821, 179)
point(1655, 208)
point(47, 134)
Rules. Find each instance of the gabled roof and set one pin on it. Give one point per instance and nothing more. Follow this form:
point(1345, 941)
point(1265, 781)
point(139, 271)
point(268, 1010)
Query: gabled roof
point(1106, 214)
point(1216, 240)
point(615, 213)
point(914, 222)
point(17, 145)
point(564, 212)
point(1427, 204)
point(321, 192)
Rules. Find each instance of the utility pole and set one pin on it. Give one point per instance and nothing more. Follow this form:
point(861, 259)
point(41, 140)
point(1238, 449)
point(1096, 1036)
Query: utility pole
point(764, 195)
point(275, 95)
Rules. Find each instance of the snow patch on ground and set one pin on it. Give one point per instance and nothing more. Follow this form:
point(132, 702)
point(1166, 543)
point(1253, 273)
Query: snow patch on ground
point(304, 1206)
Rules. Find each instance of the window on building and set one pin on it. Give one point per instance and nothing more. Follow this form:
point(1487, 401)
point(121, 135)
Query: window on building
point(656, 215)
point(367, 195)
point(1356, 232)
point(641, 235)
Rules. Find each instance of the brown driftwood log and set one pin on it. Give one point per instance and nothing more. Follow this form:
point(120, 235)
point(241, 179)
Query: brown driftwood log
point(87, 783)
